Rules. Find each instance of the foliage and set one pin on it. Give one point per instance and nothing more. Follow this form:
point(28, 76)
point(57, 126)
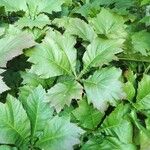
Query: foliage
point(74, 74)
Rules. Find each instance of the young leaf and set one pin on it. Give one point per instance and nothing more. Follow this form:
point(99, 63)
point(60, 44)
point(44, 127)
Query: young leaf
point(104, 87)
point(63, 93)
point(58, 56)
point(60, 133)
point(12, 46)
point(38, 110)
point(14, 124)
point(88, 116)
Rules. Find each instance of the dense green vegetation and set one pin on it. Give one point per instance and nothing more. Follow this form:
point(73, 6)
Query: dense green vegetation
point(74, 74)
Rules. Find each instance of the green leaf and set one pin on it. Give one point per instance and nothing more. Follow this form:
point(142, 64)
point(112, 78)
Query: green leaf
point(78, 27)
point(112, 143)
point(62, 94)
point(59, 133)
point(33, 80)
point(118, 132)
point(143, 2)
point(24, 92)
point(12, 46)
point(40, 21)
point(15, 5)
point(109, 24)
point(140, 41)
point(104, 88)
point(144, 138)
point(3, 86)
point(38, 110)
point(146, 20)
point(144, 142)
point(129, 90)
point(116, 125)
point(88, 9)
point(58, 56)
point(2, 31)
point(87, 116)
point(143, 93)
point(48, 6)
point(100, 52)
point(14, 124)
point(5, 147)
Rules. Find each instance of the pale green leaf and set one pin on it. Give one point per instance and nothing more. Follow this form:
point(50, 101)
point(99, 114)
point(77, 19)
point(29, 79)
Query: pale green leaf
point(107, 143)
point(109, 24)
point(40, 21)
point(48, 6)
point(78, 27)
point(88, 116)
point(24, 92)
point(38, 110)
point(59, 133)
point(14, 124)
point(5, 147)
point(144, 142)
point(55, 56)
point(104, 88)
point(140, 41)
point(3, 86)
point(101, 52)
point(61, 94)
point(12, 46)
point(2, 31)
point(33, 80)
point(14, 5)
point(144, 139)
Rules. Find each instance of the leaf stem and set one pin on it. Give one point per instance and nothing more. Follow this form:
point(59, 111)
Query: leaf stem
point(133, 59)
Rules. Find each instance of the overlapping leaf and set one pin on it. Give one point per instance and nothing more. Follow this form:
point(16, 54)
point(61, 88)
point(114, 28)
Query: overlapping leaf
point(140, 41)
point(109, 24)
point(63, 93)
point(88, 116)
point(143, 95)
point(59, 132)
point(38, 110)
point(55, 56)
point(12, 46)
point(78, 27)
point(104, 87)
point(14, 123)
point(101, 52)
